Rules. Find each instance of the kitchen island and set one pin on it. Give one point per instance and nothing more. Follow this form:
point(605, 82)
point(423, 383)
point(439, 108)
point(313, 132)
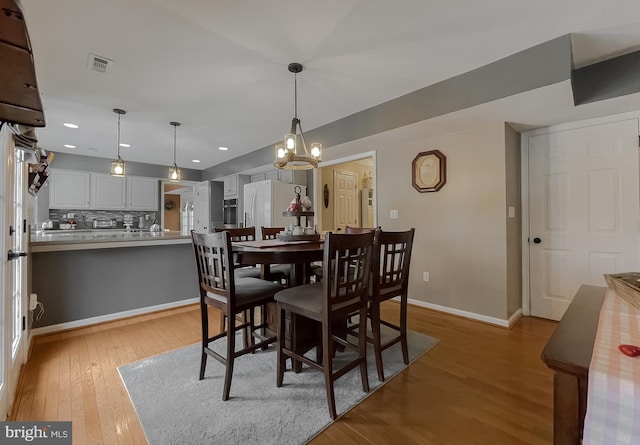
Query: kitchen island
point(87, 277)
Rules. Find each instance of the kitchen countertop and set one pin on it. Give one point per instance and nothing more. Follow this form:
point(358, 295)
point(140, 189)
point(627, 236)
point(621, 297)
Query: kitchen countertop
point(62, 240)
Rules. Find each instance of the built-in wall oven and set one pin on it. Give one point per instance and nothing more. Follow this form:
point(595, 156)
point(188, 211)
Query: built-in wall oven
point(230, 212)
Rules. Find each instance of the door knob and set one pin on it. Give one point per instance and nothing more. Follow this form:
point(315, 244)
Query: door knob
point(15, 255)
point(537, 240)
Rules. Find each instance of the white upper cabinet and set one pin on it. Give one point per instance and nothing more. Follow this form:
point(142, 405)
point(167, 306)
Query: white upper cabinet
point(231, 186)
point(258, 177)
point(108, 192)
point(69, 189)
point(142, 193)
point(84, 190)
point(293, 176)
point(272, 174)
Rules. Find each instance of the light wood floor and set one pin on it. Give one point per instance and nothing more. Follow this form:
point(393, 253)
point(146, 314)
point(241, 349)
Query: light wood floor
point(481, 384)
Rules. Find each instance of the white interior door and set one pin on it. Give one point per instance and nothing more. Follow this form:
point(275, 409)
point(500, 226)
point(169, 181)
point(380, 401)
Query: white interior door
point(584, 211)
point(345, 210)
point(13, 242)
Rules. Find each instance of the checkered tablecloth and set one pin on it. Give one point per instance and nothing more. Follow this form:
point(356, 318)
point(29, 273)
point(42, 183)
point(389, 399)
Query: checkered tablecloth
point(613, 398)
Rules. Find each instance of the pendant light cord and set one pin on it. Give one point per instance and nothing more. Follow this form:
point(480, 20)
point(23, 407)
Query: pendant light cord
point(118, 142)
point(295, 95)
point(174, 145)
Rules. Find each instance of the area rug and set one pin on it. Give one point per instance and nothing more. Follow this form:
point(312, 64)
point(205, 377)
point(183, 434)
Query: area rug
point(174, 407)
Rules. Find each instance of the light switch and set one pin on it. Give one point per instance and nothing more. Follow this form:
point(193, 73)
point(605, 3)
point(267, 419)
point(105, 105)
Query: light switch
point(393, 214)
point(512, 212)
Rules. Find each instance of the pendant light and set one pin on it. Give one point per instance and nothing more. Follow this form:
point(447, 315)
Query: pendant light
point(287, 156)
point(174, 171)
point(118, 166)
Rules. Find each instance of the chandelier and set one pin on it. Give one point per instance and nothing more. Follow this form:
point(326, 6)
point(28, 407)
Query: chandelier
point(118, 166)
point(174, 171)
point(288, 156)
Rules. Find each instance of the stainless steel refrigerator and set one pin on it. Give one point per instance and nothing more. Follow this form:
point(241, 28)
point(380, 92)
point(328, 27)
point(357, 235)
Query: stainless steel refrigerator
point(264, 202)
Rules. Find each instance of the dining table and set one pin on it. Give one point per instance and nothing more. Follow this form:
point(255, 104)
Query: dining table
point(300, 254)
point(301, 334)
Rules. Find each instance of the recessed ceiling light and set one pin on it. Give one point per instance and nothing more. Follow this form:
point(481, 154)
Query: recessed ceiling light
point(69, 146)
point(70, 125)
point(195, 160)
point(223, 148)
point(125, 145)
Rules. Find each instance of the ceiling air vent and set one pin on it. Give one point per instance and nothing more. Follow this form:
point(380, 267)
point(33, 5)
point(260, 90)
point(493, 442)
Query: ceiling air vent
point(99, 63)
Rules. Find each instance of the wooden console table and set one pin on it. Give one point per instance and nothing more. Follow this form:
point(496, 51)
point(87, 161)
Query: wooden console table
point(568, 354)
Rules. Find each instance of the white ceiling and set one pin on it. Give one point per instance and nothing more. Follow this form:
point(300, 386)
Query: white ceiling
point(220, 67)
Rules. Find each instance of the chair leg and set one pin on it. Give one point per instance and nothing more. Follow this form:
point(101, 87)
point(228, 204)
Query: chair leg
point(228, 373)
point(362, 348)
point(377, 341)
point(263, 322)
point(224, 321)
point(252, 327)
point(245, 331)
point(327, 367)
point(403, 329)
point(204, 320)
point(282, 359)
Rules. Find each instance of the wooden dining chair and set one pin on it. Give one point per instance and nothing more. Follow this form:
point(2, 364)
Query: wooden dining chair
point(242, 234)
point(281, 271)
point(347, 265)
point(353, 229)
point(316, 269)
point(390, 279)
point(232, 296)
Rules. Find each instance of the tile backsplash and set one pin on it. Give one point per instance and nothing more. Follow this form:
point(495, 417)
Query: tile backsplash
point(84, 218)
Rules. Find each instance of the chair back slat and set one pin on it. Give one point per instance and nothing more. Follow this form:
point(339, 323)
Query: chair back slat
point(353, 230)
point(270, 232)
point(348, 258)
point(239, 234)
point(213, 259)
point(391, 264)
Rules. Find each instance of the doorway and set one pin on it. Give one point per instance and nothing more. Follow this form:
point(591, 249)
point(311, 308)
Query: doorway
point(13, 266)
point(338, 190)
point(583, 194)
point(178, 206)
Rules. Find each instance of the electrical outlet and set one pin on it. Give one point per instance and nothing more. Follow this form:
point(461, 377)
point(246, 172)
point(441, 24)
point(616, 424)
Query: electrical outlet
point(393, 214)
point(425, 276)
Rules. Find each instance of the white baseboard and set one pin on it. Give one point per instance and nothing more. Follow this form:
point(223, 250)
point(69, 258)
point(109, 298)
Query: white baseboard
point(471, 315)
point(109, 317)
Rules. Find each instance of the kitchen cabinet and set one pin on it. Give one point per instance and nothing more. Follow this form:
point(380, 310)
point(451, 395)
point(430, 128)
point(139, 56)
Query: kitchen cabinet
point(293, 176)
point(108, 192)
point(258, 177)
point(69, 189)
point(231, 186)
point(73, 190)
point(142, 193)
point(272, 174)
point(234, 185)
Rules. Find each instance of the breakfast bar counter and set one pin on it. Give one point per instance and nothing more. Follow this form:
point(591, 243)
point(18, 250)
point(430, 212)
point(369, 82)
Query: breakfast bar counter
point(91, 276)
point(61, 240)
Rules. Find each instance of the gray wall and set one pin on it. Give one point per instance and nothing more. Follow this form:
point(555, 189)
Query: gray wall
point(68, 161)
point(75, 285)
point(614, 77)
